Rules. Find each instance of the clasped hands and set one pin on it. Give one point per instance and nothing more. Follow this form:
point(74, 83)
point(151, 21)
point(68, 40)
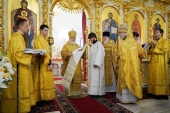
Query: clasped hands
point(153, 43)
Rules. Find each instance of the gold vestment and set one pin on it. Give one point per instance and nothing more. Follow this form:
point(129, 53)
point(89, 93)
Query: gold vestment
point(15, 53)
point(75, 85)
point(158, 79)
point(141, 52)
point(43, 77)
point(110, 61)
point(129, 70)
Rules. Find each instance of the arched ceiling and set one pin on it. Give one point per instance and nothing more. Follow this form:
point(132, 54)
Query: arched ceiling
point(73, 6)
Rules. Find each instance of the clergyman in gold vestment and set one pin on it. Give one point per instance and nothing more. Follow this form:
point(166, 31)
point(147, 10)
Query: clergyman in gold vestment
point(158, 80)
point(21, 62)
point(66, 53)
point(110, 61)
point(43, 77)
point(129, 86)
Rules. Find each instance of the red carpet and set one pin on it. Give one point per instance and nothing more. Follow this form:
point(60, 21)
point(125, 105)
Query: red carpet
point(90, 104)
point(105, 104)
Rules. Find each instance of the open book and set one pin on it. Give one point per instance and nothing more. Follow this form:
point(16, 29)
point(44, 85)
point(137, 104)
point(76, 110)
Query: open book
point(35, 51)
point(113, 30)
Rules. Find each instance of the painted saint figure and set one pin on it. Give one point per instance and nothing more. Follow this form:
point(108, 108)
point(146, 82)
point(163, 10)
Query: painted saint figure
point(111, 26)
point(136, 25)
point(27, 14)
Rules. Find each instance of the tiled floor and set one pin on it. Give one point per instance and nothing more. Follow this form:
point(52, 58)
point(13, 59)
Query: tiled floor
point(149, 106)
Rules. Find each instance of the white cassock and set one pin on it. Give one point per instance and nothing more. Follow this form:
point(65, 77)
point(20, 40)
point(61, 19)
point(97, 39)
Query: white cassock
point(96, 78)
point(113, 87)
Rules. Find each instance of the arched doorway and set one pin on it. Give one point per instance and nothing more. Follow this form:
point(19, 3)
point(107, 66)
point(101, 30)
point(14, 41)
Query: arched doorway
point(82, 6)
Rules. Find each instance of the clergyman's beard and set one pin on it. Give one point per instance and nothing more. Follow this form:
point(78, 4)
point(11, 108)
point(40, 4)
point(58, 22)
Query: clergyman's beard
point(72, 42)
point(106, 41)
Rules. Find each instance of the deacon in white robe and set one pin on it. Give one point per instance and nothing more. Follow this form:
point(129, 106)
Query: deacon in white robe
point(96, 79)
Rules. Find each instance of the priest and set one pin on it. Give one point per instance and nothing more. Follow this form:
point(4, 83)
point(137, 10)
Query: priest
point(66, 53)
point(110, 61)
point(129, 86)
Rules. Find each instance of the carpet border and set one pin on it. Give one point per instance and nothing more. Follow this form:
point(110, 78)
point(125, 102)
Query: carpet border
point(68, 102)
point(110, 103)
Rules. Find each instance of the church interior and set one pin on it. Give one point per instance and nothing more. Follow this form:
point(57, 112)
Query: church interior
point(85, 16)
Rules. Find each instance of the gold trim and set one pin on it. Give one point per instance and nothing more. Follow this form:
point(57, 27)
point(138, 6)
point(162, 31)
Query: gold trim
point(71, 6)
point(160, 6)
point(139, 3)
point(82, 2)
point(45, 12)
point(169, 32)
point(50, 26)
point(150, 30)
point(1, 26)
point(50, 34)
point(97, 19)
point(86, 53)
point(125, 9)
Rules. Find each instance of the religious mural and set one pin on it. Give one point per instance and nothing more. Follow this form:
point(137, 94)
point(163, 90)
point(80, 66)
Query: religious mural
point(30, 16)
point(136, 27)
point(110, 25)
point(136, 24)
point(109, 21)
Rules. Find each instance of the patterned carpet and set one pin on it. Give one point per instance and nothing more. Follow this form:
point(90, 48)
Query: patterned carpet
point(68, 105)
point(104, 104)
point(65, 105)
point(45, 106)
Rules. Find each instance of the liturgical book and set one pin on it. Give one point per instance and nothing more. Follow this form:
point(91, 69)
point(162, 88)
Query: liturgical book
point(35, 51)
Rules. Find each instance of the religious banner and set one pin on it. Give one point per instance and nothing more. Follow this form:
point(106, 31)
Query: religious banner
point(70, 70)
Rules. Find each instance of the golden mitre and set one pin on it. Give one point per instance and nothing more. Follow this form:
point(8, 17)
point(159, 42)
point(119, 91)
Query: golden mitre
point(123, 28)
point(72, 34)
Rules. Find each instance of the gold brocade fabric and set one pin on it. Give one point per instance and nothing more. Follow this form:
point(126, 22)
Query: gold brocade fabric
point(15, 53)
point(43, 77)
point(129, 70)
point(141, 52)
point(110, 61)
point(77, 79)
point(158, 79)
